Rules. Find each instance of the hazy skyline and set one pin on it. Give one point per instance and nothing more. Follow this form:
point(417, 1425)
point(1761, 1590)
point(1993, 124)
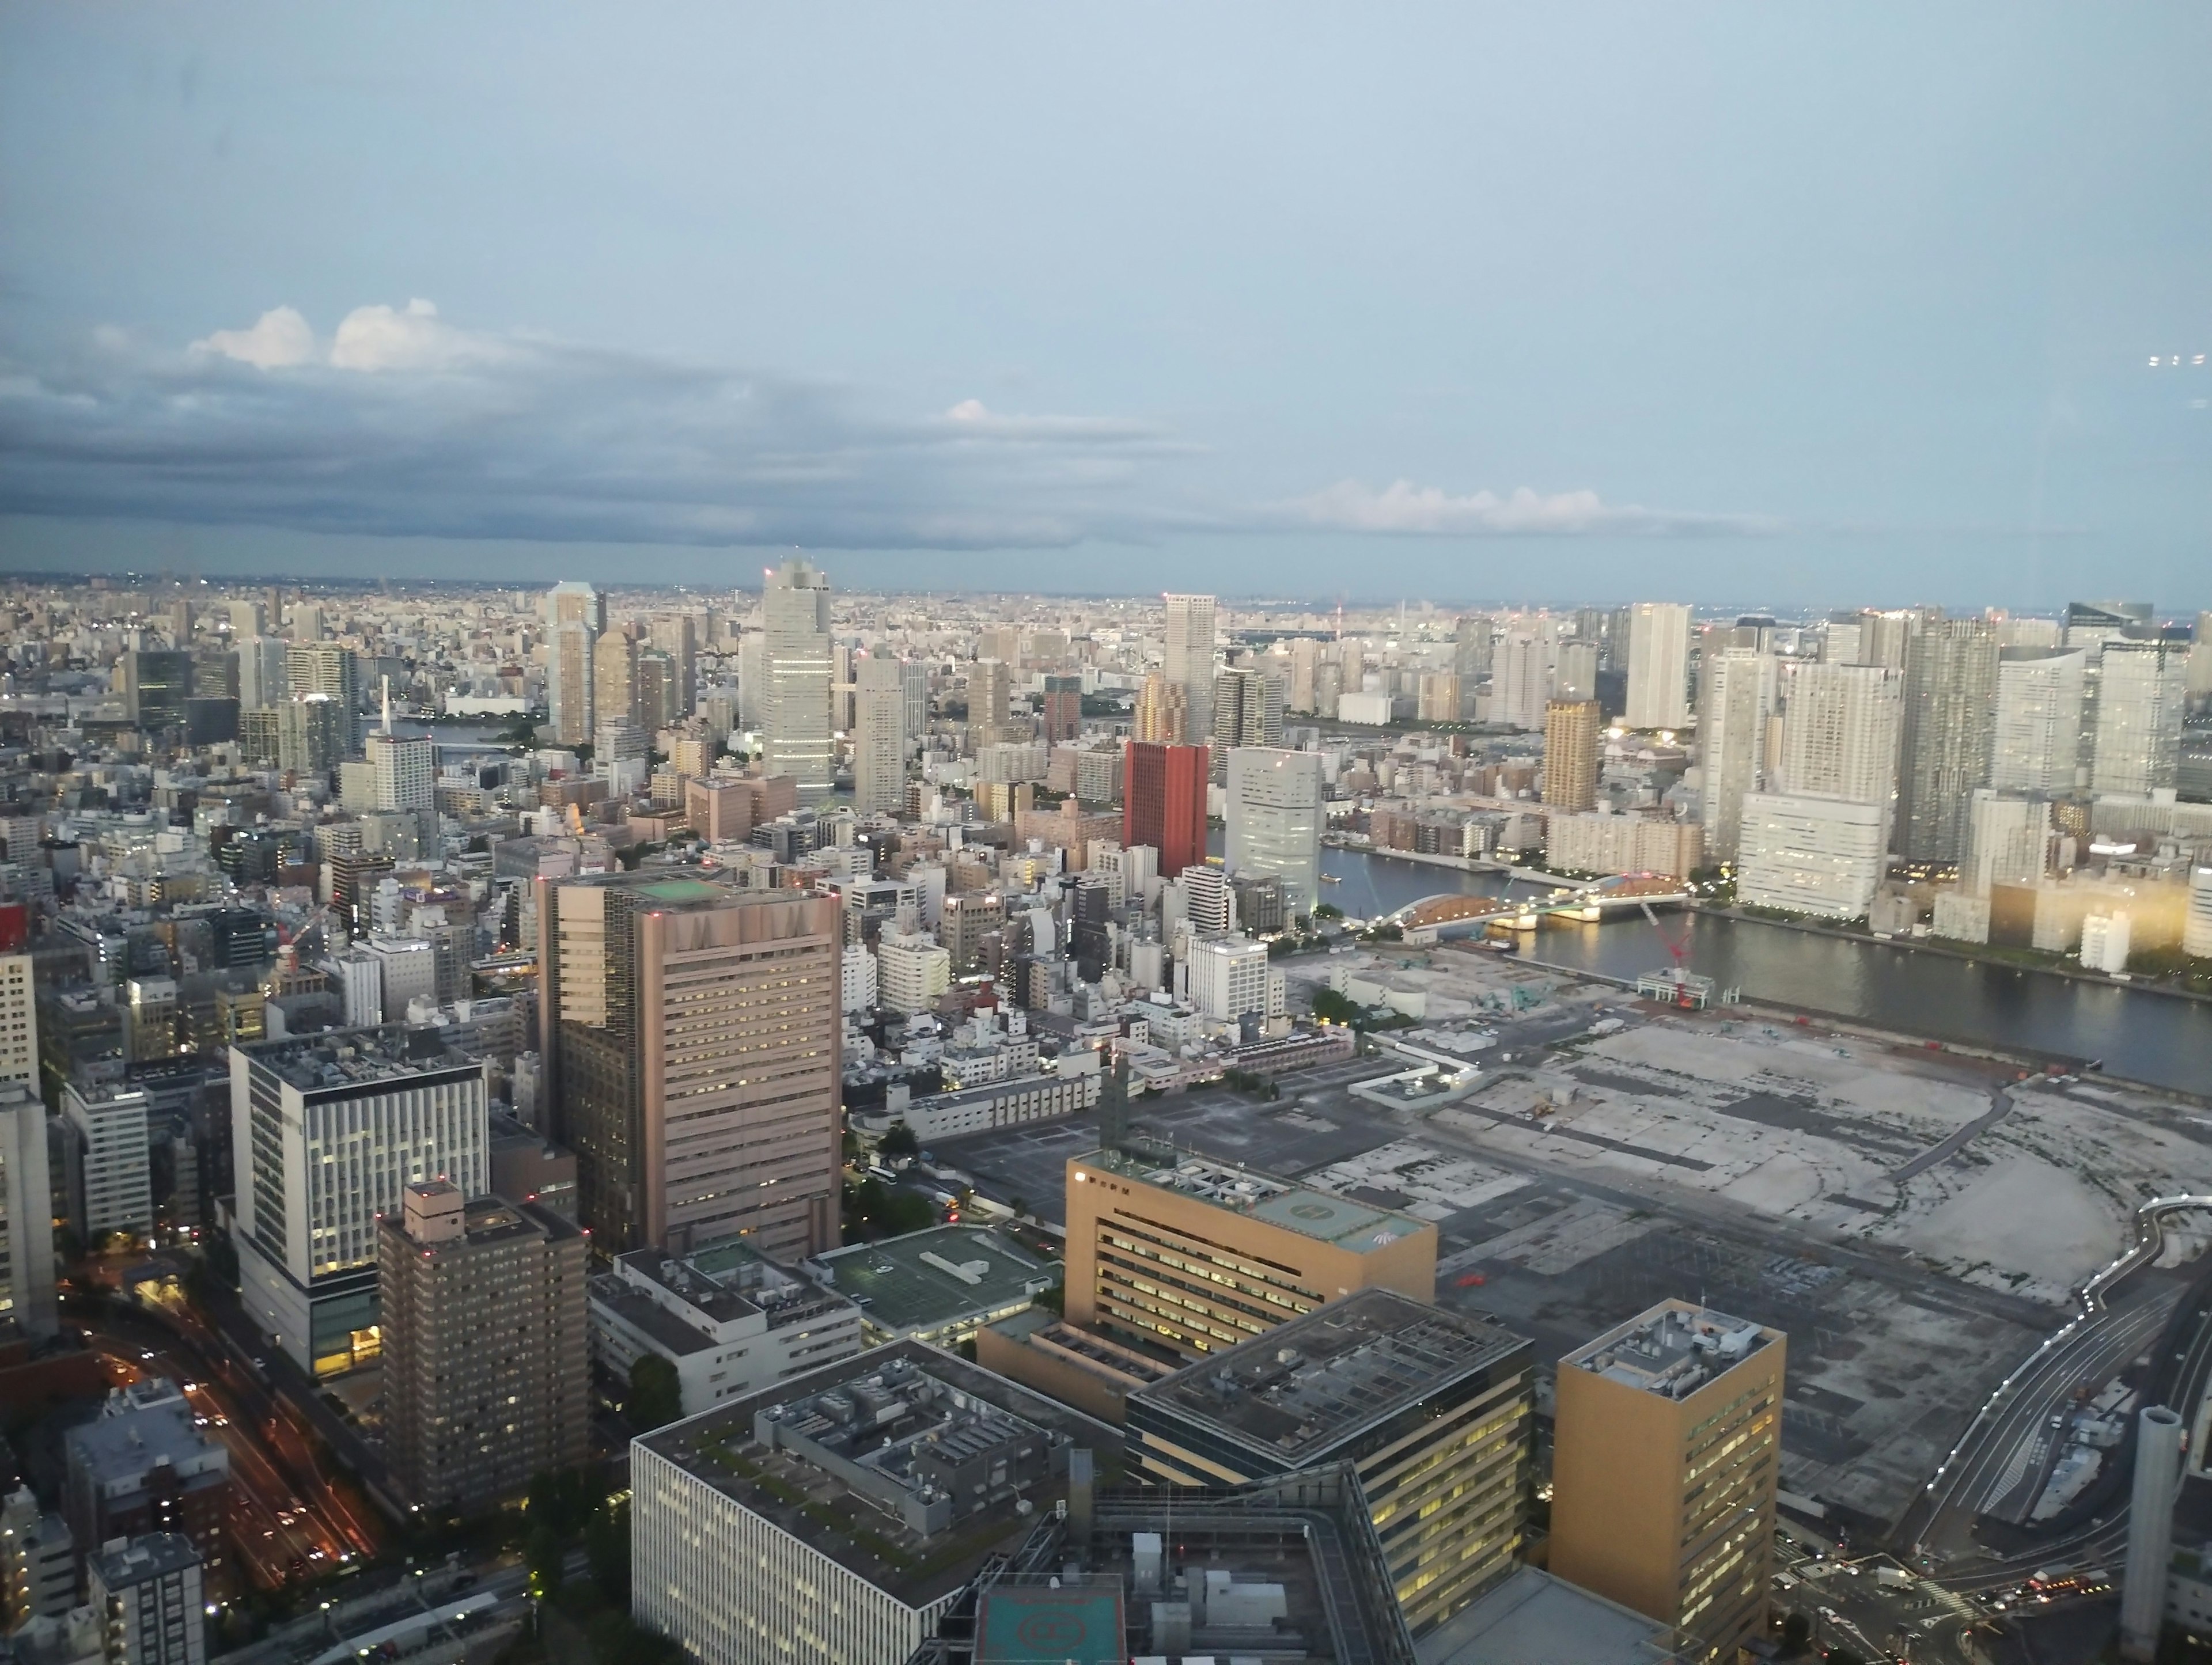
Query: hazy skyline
point(1718, 303)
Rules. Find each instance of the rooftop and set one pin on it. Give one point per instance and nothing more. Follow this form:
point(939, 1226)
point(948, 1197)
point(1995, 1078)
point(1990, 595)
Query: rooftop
point(1532, 1615)
point(1358, 1226)
point(724, 1283)
point(153, 1556)
point(1672, 1350)
point(1300, 1390)
point(936, 1276)
point(907, 1466)
point(355, 1057)
point(147, 1423)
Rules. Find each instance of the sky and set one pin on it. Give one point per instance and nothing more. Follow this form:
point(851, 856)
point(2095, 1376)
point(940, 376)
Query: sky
point(1788, 306)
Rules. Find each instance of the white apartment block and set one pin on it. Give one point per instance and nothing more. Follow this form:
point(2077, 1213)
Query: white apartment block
point(1614, 843)
point(2140, 689)
point(1229, 980)
point(729, 1323)
point(2038, 721)
point(109, 1164)
point(26, 1235)
point(1658, 665)
point(1810, 855)
point(1840, 726)
point(912, 969)
point(2197, 924)
point(857, 981)
point(19, 1020)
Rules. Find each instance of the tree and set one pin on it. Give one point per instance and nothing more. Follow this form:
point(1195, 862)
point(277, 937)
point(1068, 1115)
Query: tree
point(1797, 1632)
point(656, 1394)
point(606, 1549)
point(545, 1551)
point(899, 1141)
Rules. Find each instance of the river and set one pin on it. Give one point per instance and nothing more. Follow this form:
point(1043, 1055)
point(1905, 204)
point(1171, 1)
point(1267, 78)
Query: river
point(2142, 1036)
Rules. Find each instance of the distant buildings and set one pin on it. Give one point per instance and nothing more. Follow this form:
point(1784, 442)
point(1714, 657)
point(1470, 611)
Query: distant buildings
point(2141, 689)
point(2038, 738)
point(1572, 752)
point(1189, 660)
point(482, 1311)
point(880, 740)
point(1667, 1449)
point(1949, 734)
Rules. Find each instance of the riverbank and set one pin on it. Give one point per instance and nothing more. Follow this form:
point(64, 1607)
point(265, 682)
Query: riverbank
point(1466, 864)
point(1944, 949)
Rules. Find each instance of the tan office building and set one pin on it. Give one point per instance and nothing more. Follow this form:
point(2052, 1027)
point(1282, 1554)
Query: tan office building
point(1667, 1448)
point(1571, 753)
point(486, 1334)
point(1194, 1255)
point(691, 1038)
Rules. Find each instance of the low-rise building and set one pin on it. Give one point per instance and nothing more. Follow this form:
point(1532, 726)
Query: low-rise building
point(142, 1465)
point(38, 1560)
point(729, 1322)
point(936, 1116)
point(148, 1594)
point(940, 1284)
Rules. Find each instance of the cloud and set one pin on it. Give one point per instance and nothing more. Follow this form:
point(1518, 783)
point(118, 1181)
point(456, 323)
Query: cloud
point(401, 423)
point(1404, 507)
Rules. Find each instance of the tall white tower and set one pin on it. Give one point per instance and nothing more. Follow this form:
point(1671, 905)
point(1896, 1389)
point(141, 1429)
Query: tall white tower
point(795, 675)
point(2150, 1531)
point(1190, 659)
point(1658, 664)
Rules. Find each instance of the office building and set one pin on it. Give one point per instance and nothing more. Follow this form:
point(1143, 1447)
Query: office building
point(1947, 737)
point(327, 1131)
point(1809, 855)
point(795, 675)
point(1248, 711)
point(1229, 980)
point(142, 1465)
point(990, 698)
point(727, 1322)
point(1431, 1408)
point(1275, 816)
point(1666, 1450)
point(1063, 709)
point(156, 686)
point(691, 1036)
point(110, 1165)
point(678, 637)
point(264, 671)
point(880, 739)
point(323, 670)
point(1736, 699)
point(149, 1594)
point(38, 1561)
point(2011, 839)
point(939, 1284)
point(1575, 676)
point(2090, 624)
point(1658, 665)
point(1573, 752)
point(571, 683)
point(2038, 738)
point(484, 1314)
point(2141, 692)
point(1195, 1256)
point(1189, 663)
point(614, 681)
point(406, 769)
point(949, 1465)
point(27, 1233)
point(1886, 639)
point(1521, 687)
point(1163, 713)
point(19, 1019)
point(1163, 806)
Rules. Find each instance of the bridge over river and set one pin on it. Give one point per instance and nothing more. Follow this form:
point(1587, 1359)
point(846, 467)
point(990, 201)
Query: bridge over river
point(1457, 914)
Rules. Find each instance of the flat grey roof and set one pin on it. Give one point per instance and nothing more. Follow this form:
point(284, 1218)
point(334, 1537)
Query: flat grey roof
point(1531, 1615)
point(1672, 1350)
point(935, 1276)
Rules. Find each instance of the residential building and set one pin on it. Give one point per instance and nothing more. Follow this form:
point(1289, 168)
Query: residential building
point(1810, 855)
point(2010, 840)
point(1948, 738)
point(990, 696)
point(110, 1165)
point(1228, 980)
point(880, 740)
point(325, 671)
point(1624, 842)
point(1521, 687)
point(2142, 690)
point(950, 1465)
point(1431, 1408)
point(912, 969)
point(691, 1034)
point(1163, 713)
point(1063, 708)
point(1195, 1256)
point(1666, 1450)
point(1658, 665)
point(19, 1019)
point(1840, 724)
point(406, 769)
point(795, 671)
point(2038, 739)
point(151, 1599)
point(1735, 698)
point(1275, 818)
point(1165, 808)
point(939, 1284)
point(38, 1560)
point(1573, 752)
point(1248, 711)
point(571, 682)
point(327, 1131)
point(142, 1465)
point(27, 1232)
point(727, 1322)
point(1188, 664)
point(485, 1384)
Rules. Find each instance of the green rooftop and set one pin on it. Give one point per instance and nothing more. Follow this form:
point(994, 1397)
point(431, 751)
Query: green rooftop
point(946, 1277)
point(1023, 1625)
point(1332, 1219)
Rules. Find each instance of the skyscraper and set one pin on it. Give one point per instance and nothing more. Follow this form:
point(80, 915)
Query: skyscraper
point(1839, 732)
point(614, 680)
point(1666, 1456)
point(691, 1033)
point(1248, 711)
point(1735, 698)
point(990, 696)
point(1947, 735)
point(156, 686)
point(1063, 708)
point(1472, 634)
point(571, 653)
point(1274, 817)
point(406, 768)
point(1163, 803)
point(1162, 714)
point(485, 1339)
point(1519, 687)
point(2038, 739)
point(1571, 728)
point(795, 671)
point(879, 735)
point(330, 671)
point(2141, 691)
point(1189, 659)
point(1658, 665)
point(678, 636)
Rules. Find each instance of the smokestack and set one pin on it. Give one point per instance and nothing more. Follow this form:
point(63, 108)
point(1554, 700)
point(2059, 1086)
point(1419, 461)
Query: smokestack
point(2150, 1531)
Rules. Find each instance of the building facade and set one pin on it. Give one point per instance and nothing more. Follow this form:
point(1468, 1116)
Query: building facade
point(1274, 815)
point(795, 675)
point(1164, 806)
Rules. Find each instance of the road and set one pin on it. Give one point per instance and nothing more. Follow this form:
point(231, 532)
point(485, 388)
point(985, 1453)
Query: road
point(1872, 1605)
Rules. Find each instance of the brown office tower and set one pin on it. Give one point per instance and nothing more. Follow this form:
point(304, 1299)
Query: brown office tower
point(1570, 753)
point(1192, 1256)
point(1664, 1465)
point(1063, 708)
point(692, 1040)
point(1164, 803)
point(486, 1382)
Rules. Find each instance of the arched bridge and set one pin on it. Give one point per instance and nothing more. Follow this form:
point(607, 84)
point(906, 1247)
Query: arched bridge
point(1458, 914)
